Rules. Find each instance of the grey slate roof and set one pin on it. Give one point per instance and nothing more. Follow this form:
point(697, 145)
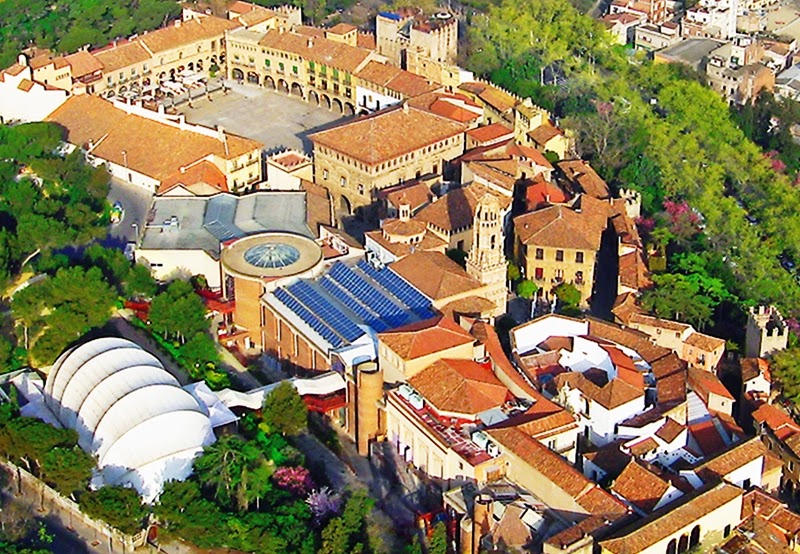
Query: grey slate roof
point(202, 223)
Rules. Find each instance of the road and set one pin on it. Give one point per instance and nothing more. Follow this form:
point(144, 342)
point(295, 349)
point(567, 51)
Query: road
point(135, 201)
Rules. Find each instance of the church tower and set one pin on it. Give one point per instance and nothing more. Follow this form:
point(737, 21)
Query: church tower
point(486, 261)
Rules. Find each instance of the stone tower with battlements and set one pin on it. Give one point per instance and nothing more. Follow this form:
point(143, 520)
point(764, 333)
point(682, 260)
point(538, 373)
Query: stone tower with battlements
point(766, 332)
point(486, 261)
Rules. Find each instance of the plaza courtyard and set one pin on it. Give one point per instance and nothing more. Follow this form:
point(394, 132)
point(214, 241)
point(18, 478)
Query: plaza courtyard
point(273, 118)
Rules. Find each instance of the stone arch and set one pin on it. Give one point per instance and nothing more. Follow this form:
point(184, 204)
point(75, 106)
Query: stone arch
point(345, 206)
point(313, 97)
point(363, 111)
point(297, 89)
point(122, 90)
point(269, 82)
point(337, 106)
point(109, 93)
point(694, 537)
point(349, 109)
point(199, 65)
point(252, 77)
point(222, 58)
point(190, 66)
point(672, 547)
point(283, 86)
point(146, 82)
point(181, 68)
point(237, 74)
point(326, 101)
point(683, 544)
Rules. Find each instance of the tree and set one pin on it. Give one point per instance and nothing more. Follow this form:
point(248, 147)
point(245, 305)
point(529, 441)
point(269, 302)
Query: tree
point(284, 410)
point(526, 289)
point(67, 469)
point(178, 312)
point(120, 507)
point(438, 543)
point(677, 296)
point(223, 468)
point(199, 350)
point(568, 295)
point(346, 534)
point(140, 283)
point(512, 271)
point(785, 367)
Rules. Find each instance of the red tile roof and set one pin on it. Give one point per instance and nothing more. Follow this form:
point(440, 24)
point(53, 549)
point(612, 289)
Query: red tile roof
point(582, 176)
point(435, 275)
point(426, 337)
point(641, 487)
point(491, 133)
point(705, 383)
point(205, 173)
point(460, 386)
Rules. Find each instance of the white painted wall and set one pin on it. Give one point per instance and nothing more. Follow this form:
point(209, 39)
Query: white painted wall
point(26, 106)
point(528, 336)
point(165, 264)
point(372, 100)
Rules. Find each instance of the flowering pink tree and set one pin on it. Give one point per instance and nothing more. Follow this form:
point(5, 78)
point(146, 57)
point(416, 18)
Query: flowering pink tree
point(296, 480)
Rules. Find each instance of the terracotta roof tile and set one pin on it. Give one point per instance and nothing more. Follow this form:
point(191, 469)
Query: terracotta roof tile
point(704, 383)
point(366, 41)
point(456, 209)
point(641, 487)
point(120, 56)
point(545, 133)
point(186, 32)
point(204, 172)
point(429, 242)
point(563, 226)
point(707, 437)
point(584, 178)
point(150, 147)
point(317, 49)
point(83, 63)
point(643, 447)
point(15, 69)
point(670, 430)
point(460, 386)
point(469, 305)
point(240, 7)
point(25, 85)
point(732, 459)
point(753, 367)
point(613, 394)
point(633, 339)
point(426, 337)
point(493, 96)
point(707, 343)
point(669, 520)
point(491, 133)
point(775, 418)
point(417, 194)
point(540, 194)
point(435, 275)
point(610, 458)
point(633, 271)
point(387, 135)
point(342, 29)
point(590, 496)
point(403, 82)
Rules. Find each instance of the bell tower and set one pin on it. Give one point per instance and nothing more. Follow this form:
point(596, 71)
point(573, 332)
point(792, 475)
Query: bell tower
point(486, 261)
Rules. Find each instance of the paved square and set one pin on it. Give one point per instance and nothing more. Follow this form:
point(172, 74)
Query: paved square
point(277, 120)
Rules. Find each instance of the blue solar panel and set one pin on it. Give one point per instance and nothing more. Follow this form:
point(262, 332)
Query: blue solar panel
point(398, 286)
point(327, 312)
point(366, 293)
point(312, 320)
point(370, 318)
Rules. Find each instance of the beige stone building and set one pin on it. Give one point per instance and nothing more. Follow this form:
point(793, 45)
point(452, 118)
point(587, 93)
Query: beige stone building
point(147, 148)
point(361, 157)
point(314, 64)
point(559, 244)
point(409, 31)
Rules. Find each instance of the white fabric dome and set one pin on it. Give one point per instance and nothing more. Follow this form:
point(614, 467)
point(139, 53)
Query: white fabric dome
point(129, 412)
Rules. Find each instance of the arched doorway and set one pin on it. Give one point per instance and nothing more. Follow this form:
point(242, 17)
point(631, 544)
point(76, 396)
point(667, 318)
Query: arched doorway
point(199, 65)
point(269, 82)
point(123, 89)
point(349, 109)
point(190, 66)
point(109, 93)
point(326, 101)
point(345, 207)
point(237, 74)
point(337, 105)
point(683, 544)
point(694, 538)
point(283, 86)
point(297, 90)
point(313, 97)
point(672, 547)
point(252, 77)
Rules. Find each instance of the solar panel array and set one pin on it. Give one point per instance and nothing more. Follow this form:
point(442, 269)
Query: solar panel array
point(335, 289)
point(325, 310)
point(404, 292)
point(380, 298)
point(312, 320)
point(392, 314)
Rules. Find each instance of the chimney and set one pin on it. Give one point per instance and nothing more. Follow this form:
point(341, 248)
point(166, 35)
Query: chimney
point(310, 42)
point(405, 107)
point(177, 22)
point(22, 59)
point(481, 516)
